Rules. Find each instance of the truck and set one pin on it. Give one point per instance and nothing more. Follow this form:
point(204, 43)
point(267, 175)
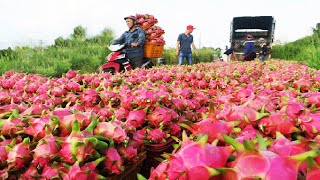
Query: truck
point(258, 26)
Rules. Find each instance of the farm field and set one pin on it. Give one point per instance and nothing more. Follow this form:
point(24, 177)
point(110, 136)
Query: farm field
point(237, 120)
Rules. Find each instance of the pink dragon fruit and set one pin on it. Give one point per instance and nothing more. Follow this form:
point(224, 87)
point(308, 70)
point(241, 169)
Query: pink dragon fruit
point(136, 118)
point(182, 164)
point(253, 163)
point(36, 109)
point(113, 164)
point(262, 103)
point(310, 124)
point(213, 128)
point(12, 125)
point(73, 148)
point(278, 121)
point(284, 147)
point(121, 113)
point(313, 99)
point(71, 74)
point(32, 173)
point(38, 125)
point(45, 150)
point(140, 135)
point(157, 136)
point(4, 145)
point(248, 133)
point(76, 173)
point(245, 114)
point(313, 170)
point(162, 115)
point(51, 171)
point(111, 130)
point(19, 156)
point(129, 153)
point(73, 86)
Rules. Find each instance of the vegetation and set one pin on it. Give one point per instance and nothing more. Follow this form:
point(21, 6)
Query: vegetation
point(78, 52)
point(305, 50)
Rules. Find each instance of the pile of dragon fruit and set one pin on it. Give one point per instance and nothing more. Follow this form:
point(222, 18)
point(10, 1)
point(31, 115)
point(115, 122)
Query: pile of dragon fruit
point(238, 120)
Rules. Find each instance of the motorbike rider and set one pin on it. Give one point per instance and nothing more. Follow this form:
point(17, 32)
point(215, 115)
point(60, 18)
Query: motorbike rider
point(134, 40)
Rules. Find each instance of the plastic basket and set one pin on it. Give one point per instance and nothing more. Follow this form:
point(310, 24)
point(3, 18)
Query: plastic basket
point(153, 50)
point(131, 172)
point(155, 151)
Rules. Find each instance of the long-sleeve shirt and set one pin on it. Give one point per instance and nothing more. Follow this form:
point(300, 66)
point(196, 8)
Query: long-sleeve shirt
point(248, 48)
point(264, 49)
point(137, 36)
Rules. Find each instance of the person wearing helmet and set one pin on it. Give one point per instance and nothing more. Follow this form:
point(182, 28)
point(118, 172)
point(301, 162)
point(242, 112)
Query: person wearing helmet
point(134, 40)
point(249, 50)
point(264, 49)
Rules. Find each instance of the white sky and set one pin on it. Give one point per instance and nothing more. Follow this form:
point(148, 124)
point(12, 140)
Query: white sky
point(34, 21)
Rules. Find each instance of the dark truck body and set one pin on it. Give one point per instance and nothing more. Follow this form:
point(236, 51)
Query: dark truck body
point(258, 26)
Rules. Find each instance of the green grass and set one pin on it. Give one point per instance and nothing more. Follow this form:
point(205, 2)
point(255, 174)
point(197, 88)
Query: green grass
point(78, 52)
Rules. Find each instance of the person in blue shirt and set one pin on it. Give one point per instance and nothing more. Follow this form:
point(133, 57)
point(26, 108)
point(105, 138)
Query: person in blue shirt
point(134, 40)
point(184, 43)
point(249, 53)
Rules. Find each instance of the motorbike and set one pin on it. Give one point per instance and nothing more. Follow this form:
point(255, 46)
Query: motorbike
point(117, 61)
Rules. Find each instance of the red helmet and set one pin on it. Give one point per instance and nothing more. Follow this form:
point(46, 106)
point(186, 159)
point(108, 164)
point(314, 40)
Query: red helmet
point(249, 36)
point(130, 17)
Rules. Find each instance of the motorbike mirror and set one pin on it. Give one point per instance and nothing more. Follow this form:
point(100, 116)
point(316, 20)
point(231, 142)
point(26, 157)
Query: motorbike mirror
point(116, 47)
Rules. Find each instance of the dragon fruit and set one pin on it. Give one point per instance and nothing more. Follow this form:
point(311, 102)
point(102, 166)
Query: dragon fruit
point(310, 124)
point(278, 121)
point(51, 171)
point(157, 136)
point(136, 118)
point(111, 130)
point(162, 115)
point(182, 164)
point(37, 126)
point(73, 148)
point(129, 153)
point(76, 173)
point(245, 114)
point(19, 156)
point(46, 149)
point(113, 164)
point(4, 145)
point(213, 128)
point(12, 125)
point(261, 163)
point(313, 170)
point(32, 173)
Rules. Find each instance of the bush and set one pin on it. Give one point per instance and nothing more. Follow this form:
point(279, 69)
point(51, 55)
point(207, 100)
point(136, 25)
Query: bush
point(305, 50)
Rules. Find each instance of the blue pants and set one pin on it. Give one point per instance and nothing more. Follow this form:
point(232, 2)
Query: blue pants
point(183, 55)
point(262, 57)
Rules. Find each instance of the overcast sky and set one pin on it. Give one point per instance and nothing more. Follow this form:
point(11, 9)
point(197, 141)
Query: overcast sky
point(34, 21)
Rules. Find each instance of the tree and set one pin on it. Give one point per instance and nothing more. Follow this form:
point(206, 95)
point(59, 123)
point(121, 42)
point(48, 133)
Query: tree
point(316, 30)
point(79, 32)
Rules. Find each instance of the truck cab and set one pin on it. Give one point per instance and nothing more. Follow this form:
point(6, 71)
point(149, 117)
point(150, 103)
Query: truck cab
point(258, 26)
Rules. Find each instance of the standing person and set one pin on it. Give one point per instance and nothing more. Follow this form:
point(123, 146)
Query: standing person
point(134, 40)
point(264, 49)
point(184, 42)
point(249, 50)
point(229, 53)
